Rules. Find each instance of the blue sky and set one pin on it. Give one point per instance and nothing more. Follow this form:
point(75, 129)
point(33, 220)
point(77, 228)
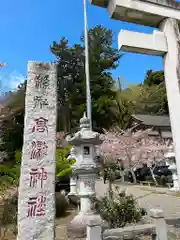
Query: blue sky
point(28, 27)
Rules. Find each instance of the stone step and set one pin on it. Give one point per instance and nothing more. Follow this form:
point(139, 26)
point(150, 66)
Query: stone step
point(61, 234)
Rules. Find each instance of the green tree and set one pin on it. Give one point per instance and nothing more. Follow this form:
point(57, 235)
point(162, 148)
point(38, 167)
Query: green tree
point(70, 62)
point(71, 78)
point(154, 78)
point(71, 88)
point(122, 108)
point(157, 81)
point(12, 122)
point(143, 99)
point(148, 97)
point(103, 59)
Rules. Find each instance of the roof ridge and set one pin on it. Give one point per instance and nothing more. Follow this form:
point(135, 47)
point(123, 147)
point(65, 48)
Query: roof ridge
point(150, 115)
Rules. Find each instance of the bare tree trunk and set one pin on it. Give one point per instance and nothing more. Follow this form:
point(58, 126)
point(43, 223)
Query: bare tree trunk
point(133, 175)
point(122, 176)
point(153, 176)
point(131, 168)
point(110, 190)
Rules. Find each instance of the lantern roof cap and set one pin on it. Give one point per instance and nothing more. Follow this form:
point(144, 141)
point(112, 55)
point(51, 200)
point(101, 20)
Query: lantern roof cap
point(85, 135)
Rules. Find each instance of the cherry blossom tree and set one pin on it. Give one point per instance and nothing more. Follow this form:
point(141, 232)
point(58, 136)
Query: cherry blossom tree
point(134, 148)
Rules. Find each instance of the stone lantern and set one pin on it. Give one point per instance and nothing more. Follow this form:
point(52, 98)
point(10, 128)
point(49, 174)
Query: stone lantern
point(84, 143)
point(171, 161)
point(73, 180)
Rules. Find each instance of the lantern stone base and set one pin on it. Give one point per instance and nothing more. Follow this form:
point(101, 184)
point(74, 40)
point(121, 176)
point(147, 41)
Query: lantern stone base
point(176, 187)
point(77, 227)
point(171, 162)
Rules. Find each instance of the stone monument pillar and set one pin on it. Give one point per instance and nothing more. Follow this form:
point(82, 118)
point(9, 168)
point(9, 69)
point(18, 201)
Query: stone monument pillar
point(36, 203)
point(84, 143)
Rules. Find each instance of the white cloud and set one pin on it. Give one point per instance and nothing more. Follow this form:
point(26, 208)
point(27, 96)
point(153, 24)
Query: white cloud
point(9, 80)
point(15, 79)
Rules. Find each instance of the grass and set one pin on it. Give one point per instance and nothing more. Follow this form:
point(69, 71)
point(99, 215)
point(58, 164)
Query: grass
point(177, 194)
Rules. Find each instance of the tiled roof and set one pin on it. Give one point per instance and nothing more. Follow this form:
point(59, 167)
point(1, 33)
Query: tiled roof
point(153, 120)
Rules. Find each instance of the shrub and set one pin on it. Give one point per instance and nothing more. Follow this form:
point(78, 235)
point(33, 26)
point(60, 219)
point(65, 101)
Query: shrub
point(8, 217)
point(18, 156)
point(63, 165)
point(66, 172)
point(149, 178)
point(61, 204)
point(169, 179)
point(63, 169)
point(112, 169)
point(118, 174)
point(9, 174)
point(161, 180)
point(119, 210)
point(8, 211)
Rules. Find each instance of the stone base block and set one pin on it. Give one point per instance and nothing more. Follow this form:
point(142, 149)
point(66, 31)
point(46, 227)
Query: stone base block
point(74, 199)
point(77, 227)
point(175, 189)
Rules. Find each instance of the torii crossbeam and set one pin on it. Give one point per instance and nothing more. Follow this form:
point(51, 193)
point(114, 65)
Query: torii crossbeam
point(145, 12)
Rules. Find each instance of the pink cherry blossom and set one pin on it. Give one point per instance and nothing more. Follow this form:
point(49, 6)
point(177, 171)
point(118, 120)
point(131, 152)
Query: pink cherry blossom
point(134, 147)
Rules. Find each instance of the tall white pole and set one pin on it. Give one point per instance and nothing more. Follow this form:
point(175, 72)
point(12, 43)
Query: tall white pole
point(88, 91)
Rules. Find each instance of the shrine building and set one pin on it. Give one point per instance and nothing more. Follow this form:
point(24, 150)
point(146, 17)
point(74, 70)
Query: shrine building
point(160, 125)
